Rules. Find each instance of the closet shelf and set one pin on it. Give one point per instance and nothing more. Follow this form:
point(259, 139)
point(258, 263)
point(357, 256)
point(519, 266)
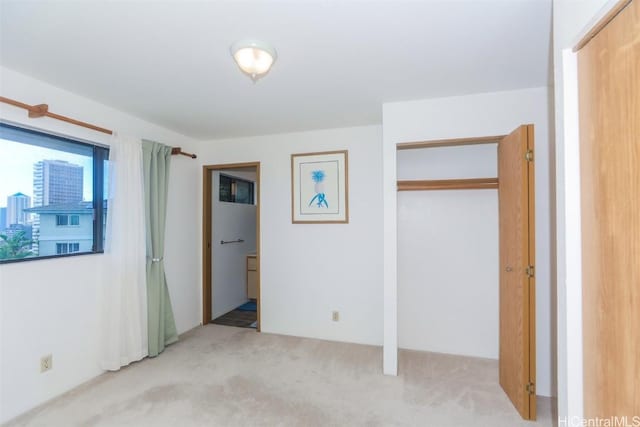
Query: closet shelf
point(450, 142)
point(448, 184)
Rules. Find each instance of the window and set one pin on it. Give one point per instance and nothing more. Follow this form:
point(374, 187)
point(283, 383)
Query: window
point(62, 220)
point(236, 190)
point(51, 189)
point(67, 248)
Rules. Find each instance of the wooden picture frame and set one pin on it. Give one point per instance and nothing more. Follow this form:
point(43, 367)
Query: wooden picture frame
point(320, 188)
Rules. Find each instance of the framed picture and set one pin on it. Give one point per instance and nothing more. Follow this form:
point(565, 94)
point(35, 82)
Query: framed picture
point(320, 188)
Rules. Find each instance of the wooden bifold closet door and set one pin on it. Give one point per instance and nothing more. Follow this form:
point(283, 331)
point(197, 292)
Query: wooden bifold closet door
point(517, 283)
point(609, 102)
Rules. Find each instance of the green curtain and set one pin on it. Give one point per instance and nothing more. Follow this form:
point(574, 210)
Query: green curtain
point(162, 327)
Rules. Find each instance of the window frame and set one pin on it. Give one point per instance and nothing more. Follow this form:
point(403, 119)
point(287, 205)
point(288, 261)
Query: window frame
point(69, 247)
point(100, 153)
point(59, 222)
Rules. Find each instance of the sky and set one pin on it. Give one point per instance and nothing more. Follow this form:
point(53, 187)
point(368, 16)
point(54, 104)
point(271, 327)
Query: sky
point(16, 168)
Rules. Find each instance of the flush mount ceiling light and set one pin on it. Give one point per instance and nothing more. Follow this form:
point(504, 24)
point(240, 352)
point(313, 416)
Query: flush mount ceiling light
point(254, 57)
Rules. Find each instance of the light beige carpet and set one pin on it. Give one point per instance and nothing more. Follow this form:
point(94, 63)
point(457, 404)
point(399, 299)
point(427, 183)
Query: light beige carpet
point(226, 376)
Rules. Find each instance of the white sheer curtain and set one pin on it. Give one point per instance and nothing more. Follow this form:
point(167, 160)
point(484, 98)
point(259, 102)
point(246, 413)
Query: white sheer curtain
point(124, 290)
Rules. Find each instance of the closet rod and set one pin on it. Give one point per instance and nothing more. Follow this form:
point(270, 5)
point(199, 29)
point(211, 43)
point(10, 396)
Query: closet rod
point(448, 184)
point(450, 142)
point(42, 110)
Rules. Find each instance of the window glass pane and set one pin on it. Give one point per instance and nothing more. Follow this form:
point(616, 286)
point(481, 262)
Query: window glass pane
point(42, 140)
point(243, 192)
point(225, 189)
point(46, 186)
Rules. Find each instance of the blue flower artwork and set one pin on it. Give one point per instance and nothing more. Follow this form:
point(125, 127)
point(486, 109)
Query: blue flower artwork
point(320, 197)
point(319, 188)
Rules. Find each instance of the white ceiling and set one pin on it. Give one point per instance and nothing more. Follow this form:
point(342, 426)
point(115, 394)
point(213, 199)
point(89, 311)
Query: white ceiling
point(338, 61)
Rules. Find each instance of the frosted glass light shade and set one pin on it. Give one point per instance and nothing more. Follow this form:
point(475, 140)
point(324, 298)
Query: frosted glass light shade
point(253, 57)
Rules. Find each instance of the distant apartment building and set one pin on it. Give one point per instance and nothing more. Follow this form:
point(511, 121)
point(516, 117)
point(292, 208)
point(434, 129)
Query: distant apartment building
point(14, 229)
point(16, 209)
point(3, 218)
point(64, 228)
point(55, 182)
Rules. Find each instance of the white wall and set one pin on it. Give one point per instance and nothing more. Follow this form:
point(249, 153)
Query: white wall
point(570, 20)
point(309, 270)
point(50, 306)
point(231, 221)
point(448, 257)
point(477, 115)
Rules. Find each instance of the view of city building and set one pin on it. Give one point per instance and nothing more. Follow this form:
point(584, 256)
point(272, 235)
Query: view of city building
point(64, 228)
point(56, 183)
point(16, 205)
point(58, 222)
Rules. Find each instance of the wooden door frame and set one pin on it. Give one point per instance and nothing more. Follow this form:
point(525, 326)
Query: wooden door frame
point(207, 221)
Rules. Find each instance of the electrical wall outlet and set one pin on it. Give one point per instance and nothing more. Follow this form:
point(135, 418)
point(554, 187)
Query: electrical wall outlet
point(46, 363)
point(335, 316)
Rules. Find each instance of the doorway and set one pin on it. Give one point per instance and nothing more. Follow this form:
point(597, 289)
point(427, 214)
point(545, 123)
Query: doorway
point(231, 244)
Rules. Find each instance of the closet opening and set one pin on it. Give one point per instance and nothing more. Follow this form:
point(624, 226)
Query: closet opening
point(466, 255)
